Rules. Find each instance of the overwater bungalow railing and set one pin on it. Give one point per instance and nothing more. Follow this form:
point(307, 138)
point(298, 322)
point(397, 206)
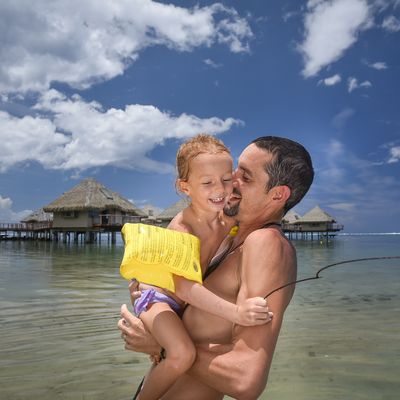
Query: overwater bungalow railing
point(10, 226)
point(105, 220)
point(310, 228)
point(26, 226)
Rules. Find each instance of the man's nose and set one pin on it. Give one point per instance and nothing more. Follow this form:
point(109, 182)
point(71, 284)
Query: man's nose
point(235, 178)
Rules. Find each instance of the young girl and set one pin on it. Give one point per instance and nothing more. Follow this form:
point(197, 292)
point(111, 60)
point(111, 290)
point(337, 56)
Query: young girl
point(204, 168)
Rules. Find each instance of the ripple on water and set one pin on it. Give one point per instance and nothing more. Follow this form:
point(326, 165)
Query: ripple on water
point(59, 306)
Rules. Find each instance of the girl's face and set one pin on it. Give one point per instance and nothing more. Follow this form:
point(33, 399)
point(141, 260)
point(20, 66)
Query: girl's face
point(209, 184)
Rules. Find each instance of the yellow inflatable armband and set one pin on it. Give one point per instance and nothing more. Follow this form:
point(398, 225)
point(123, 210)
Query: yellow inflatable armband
point(153, 254)
point(234, 230)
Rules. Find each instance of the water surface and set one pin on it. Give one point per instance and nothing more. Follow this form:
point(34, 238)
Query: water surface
point(59, 306)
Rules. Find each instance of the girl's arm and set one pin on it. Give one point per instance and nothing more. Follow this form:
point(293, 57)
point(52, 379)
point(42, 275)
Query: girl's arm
point(253, 311)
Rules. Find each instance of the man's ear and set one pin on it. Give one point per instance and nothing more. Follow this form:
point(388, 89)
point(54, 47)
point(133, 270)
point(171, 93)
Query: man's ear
point(182, 186)
point(281, 193)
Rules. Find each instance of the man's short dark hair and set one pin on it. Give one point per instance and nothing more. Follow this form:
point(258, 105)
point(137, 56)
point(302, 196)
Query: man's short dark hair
point(291, 166)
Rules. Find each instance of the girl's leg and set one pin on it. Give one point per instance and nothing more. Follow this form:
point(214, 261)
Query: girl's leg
point(168, 330)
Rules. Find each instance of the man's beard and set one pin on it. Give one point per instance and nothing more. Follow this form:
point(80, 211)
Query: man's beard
point(232, 210)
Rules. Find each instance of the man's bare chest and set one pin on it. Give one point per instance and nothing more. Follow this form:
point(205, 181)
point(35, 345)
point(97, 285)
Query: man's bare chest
point(205, 327)
point(209, 245)
point(225, 279)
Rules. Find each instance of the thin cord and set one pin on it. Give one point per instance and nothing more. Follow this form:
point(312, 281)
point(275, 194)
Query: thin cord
point(329, 266)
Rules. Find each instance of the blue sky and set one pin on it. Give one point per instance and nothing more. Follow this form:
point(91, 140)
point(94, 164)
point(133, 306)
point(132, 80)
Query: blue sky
point(110, 89)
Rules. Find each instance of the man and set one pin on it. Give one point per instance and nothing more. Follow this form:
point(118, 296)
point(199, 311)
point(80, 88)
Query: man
point(273, 175)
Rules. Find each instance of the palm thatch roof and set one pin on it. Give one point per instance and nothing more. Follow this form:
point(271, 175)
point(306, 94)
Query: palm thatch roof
point(316, 215)
point(92, 195)
point(170, 212)
point(38, 216)
point(150, 209)
point(290, 217)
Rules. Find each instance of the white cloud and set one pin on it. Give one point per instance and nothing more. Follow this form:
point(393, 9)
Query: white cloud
point(331, 27)
point(331, 81)
point(383, 5)
point(80, 43)
point(392, 150)
point(391, 24)
point(335, 148)
point(314, 3)
point(81, 135)
point(28, 138)
point(332, 170)
point(5, 203)
point(379, 65)
point(394, 155)
point(340, 119)
point(366, 84)
point(232, 31)
point(212, 63)
point(289, 15)
point(7, 214)
point(342, 206)
point(353, 84)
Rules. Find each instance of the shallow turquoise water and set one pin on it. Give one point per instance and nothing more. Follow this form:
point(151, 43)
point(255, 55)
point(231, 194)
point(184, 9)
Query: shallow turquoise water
point(341, 334)
point(59, 305)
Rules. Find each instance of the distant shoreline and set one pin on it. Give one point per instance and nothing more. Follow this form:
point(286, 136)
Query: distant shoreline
point(366, 233)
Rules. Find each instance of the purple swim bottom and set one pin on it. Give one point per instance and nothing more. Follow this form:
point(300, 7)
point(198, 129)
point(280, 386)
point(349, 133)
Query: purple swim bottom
point(150, 296)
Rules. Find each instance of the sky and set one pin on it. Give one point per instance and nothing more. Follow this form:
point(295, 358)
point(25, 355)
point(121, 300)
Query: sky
point(109, 90)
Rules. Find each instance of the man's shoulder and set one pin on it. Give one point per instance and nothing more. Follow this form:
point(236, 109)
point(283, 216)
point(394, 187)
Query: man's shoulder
point(269, 246)
point(265, 237)
point(268, 262)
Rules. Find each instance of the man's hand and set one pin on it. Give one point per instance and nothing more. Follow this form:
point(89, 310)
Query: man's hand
point(134, 291)
point(135, 335)
point(253, 311)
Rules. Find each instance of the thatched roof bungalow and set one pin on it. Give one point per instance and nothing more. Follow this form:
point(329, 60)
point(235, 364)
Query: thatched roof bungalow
point(317, 220)
point(165, 217)
point(151, 214)
point(39, 219)
point(90, 204)
point(150, 210)
point(38, 216)
point(290, 217)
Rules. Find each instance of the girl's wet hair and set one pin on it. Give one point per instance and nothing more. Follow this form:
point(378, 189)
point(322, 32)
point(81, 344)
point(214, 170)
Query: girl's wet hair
point(199, 144)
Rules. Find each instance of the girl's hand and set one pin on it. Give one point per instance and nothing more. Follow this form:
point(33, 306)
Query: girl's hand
point(253, 311)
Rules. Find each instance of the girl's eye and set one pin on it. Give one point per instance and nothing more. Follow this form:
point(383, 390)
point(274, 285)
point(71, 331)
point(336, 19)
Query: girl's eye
point(206, 183)
point(245, 178)
point(227, 179)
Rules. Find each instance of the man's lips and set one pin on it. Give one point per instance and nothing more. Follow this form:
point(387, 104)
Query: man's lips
point(235, 196)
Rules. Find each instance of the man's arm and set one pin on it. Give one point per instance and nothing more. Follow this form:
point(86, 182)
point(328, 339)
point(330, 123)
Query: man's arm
point(241, 369)
point(252, 311)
